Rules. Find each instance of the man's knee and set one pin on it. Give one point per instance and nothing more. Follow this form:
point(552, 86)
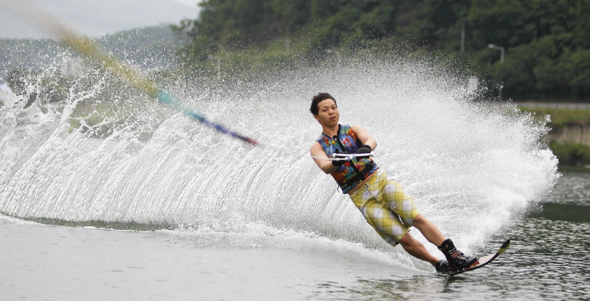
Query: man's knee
point(419, 220)
point(406, 240)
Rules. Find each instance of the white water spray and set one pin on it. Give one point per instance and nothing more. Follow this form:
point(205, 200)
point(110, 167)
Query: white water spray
point(472, 168)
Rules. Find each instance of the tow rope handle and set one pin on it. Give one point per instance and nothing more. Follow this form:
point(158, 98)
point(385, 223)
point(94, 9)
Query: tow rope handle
point(344, 157)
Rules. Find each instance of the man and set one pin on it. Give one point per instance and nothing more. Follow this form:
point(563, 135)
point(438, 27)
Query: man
point(380, 199)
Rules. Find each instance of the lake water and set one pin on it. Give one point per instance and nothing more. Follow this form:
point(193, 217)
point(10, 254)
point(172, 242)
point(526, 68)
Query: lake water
point(107, 195)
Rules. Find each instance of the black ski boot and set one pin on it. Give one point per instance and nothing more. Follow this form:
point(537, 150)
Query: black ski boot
point(442, 266)
point(456, 259)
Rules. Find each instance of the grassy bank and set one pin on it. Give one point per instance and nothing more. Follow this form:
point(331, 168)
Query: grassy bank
point(570, 153)
point(562, 117)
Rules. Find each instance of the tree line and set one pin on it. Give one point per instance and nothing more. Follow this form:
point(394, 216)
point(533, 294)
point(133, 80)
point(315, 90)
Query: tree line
point(546, 42)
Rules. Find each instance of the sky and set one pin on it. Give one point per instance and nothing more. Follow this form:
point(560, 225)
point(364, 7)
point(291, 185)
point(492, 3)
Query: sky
point(96, 18)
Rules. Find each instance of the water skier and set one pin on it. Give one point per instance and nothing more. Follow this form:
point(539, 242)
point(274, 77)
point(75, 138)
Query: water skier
point(380, 199)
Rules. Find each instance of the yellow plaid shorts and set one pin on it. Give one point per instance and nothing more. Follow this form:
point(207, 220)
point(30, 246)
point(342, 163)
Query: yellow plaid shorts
point(385, 206)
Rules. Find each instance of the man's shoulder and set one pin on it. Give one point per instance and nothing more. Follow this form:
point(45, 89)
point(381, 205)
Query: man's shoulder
point(316, 149)
point(357, 127)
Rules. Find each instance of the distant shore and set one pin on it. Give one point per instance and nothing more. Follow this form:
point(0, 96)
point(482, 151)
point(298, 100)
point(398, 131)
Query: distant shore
point(554, 105)
point(569, 137)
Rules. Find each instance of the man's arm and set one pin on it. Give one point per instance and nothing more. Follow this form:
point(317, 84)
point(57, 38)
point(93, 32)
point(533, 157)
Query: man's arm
point(364, 136)
point(318, 155)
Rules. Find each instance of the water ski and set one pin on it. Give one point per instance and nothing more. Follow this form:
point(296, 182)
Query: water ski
point(482, 261)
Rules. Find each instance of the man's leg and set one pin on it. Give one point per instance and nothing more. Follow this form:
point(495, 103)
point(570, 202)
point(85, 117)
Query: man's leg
point(429, 230)
point(417, 249)
point(456, 258)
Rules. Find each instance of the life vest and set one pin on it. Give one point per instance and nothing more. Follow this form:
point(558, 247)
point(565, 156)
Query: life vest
point(355, 171)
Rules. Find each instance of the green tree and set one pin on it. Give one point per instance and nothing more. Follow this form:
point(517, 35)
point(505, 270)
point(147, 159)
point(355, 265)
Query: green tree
point(541, 39)
point(547, 42)
point(578, 74)
point(291, 15)
point(440, 21)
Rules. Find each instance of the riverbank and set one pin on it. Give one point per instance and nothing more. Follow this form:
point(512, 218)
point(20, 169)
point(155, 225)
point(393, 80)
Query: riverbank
point(569, 137)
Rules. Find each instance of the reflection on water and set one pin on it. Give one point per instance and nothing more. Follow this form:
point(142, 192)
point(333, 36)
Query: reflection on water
point(551, 257)
point(572, 188)
point(565, 212)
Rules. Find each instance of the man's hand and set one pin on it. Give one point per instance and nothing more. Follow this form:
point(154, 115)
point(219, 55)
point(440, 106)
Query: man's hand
point(339, 162)
point(365, 149)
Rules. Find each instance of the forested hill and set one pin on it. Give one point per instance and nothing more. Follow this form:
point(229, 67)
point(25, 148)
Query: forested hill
point(546, 42)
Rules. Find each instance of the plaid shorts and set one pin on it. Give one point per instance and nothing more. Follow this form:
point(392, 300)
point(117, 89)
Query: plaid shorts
point(385, 206)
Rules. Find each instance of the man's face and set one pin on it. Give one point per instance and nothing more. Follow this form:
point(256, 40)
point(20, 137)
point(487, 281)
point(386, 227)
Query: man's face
point(328, 113)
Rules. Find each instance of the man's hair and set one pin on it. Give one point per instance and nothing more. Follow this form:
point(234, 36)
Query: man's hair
point(317, 99)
